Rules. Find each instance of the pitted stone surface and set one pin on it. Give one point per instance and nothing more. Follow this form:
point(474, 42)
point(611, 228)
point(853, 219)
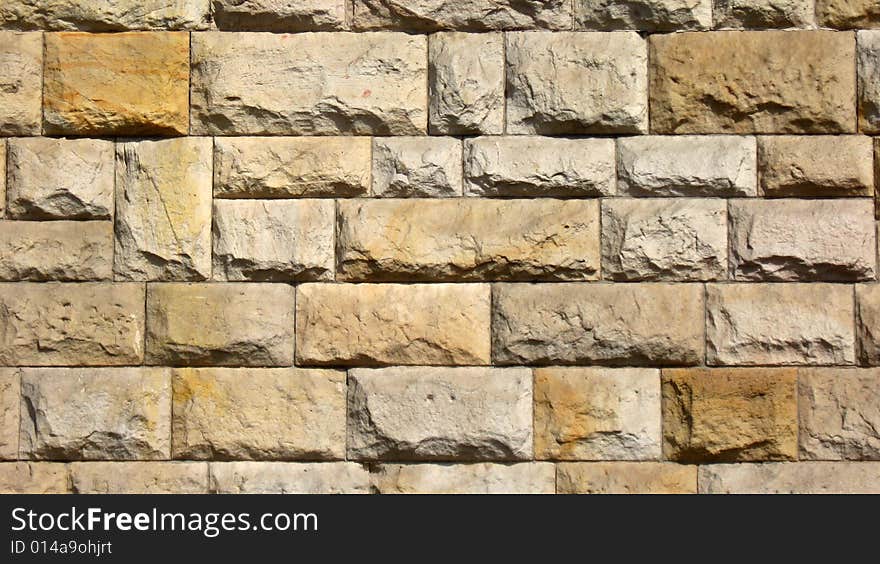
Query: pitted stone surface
point(478, 478)
point(815, 166)
point(279, 15)
point(417, 167)
point(56, 250)
point(473, 15)
point(21, 74)
point(647, 15)
point(625, 477)
point(289, 478)
point(105, 15)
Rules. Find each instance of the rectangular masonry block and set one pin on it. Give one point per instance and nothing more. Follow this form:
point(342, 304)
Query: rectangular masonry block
point(867, 323)
point(258, 413)
point(56, 250)
point(271, 15)
point(625, 478)
point(847, 14)
point(417, 167)
point(381, 324)
point(646, 15)
point(763, 14)
point(479, 478)
point(520, 166)
point(597, 414)
point(472, 15)
point(139, 477)
point(468, 239)
point(133, 83)
point(791, 478)
point(2, 177)
point(433, 413)
point(10, 408)
point(33, 478)
point(84, 324)
point(869, 81)
point(96, 413)
point(104, 15)
point(220, 324)
point(624, 324)
point(783, 324)
point(730, 415)
point(309, 84)
point(753, 82)
point(816, 166)
point(289, 478)
point(21, 83)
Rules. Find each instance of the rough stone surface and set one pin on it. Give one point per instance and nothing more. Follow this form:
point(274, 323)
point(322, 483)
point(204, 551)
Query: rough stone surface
point(730, 415)
point(867, 323)
point(289, 478)
point(430, 413)
point(664, 239)
point(869, 81)
point(648, 15)
point(416, 167)
point(816, 166)
point(687, 165)
point(259, 413)
point(474, 15)
point(569, 82)
point(279, 15)
point(10, 407)
point(791, 478)
point(309, 83)
point(791, 240)
point(2, 177)
point(60, 178)
point(96, 413)
point(139, 477)
point(625, 478)
point(291, 167)
point(763, 13)
point(216, 324)
point(597, 414)
point(405, 324)
point(753, 82)
point(71, 324)
point(479, 478)
point(466, 83)
point(163, 209)
point(56, 250)
point(33, 478)
point(286, 240)
point(105, 15)
point(786, 324)
point(846, 14)
point(643, 324)
point(21, 75)
point(133, 83)
point(468, 239)
point(539, 166)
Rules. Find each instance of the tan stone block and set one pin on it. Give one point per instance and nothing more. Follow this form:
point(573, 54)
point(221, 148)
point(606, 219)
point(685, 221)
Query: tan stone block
point(416, 167)
point(56, 250)
point(846, 14)
point(625, 478)
point(289, 478)
point(21, 76)
point(867, 323)
point(10, 407)
point(280, 15)
point(33, 478)
point(763, 14)
point(648, 15)
point(2, 177)
point(139, 477)
point(479, 478)
point(791, 478)
point(868, 62)
point(470, 15)
point(104, 15)
point(816, 166)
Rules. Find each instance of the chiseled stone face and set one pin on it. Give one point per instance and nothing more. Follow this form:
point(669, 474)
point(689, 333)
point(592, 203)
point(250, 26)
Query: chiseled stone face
point(56, 250)
point(279, 15)
point(726, 415)
point(528, 166)
point(788, 324)
point(289, 478)
point(763, 13)
point(628, 324)
point(845, 14)
point(134, 83)
point(2, 177)
point(163, 209)
point(753, 82)
point(244, 324)
point(597, 414)
point(139, 477)
point(291, 167)
point(21, 75)
point(416, 167)
point(869, 81)
point(71, 324)
point(648, 15)
point(466, 83)
point(625, 478)
point(569, 82)
point(96, 413)
point(105, 15)
point(258, 413)
point(33, 478)
point(468, 239)
point(273, 240)
point(309, 83)
point(868, 323)
point(791, 478)
point(432, 413)
point(60, 178)
point(478, 478)
point(403, 324)
point(10, 408)
point(472, 15)
point(816, 165)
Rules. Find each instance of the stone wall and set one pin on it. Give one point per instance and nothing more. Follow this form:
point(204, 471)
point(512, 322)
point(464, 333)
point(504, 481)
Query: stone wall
point(439, 246)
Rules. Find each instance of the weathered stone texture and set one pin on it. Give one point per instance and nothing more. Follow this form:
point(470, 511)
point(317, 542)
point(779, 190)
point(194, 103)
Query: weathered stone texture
point(416, 167)
point(291, 167)
point(526, 166)
point(629, 324)
point(309, 83)
point(727, 415)
point(134, 83)
point(163, 209)
point(2, 177)
point(279, 15)
point(786, 324)
point(625, 478)
point(763, 13)
point(816, 166)
point(33, 478)
point(597, 414)
point(868, 323)
point(21, 75)
point(869, 81)
point(56, 250)
point(430, 413)
point(139, 477)
point(474, 15)
point(105, 15)
point(664, 239)
point(380, 324)
point(71, 324)
point(468, 239)
point(791, 240)
point(219, 324)
point(648, 15)
point(258, 413)
point(289, 478)
point(287, 240)
point(570, 82)
point(753, 82)
point(10, 408)
point(687, 165)
point(479, 478)
point(846, 14)
point(96, 413)
point(60, 178)
point(791, 478)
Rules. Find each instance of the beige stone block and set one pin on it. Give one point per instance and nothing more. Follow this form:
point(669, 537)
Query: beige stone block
point(867, 323)
point(470, 15)
point(34, 478)
point(56, 250)
point(21, 83)
point(417, 167)
point(139, 477)
point(791, 478)
point(105, 15)
point(816, 166)
point(289, 478)
point(625, 478)
point(845, 14)
point(647, 15)
point(868, 63)
point(478, 478)
point(762, 14)
point(10, 408)
point(280, 15)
